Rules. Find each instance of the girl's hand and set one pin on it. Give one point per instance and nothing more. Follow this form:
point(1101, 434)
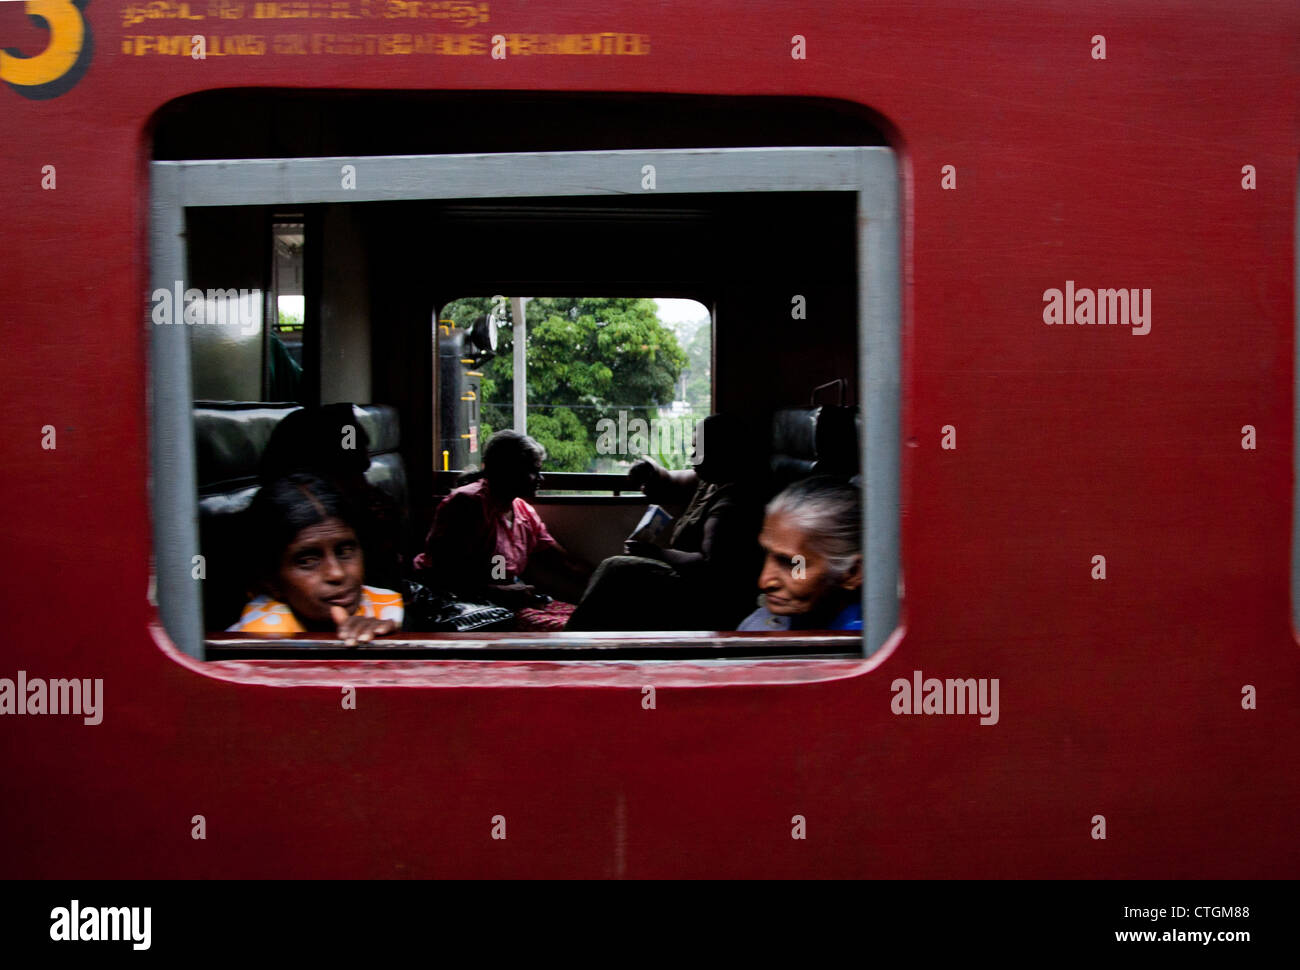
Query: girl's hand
point(359, 629)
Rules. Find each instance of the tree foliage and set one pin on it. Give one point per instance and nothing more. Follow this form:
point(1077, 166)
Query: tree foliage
point(699, 353)
point(588, 359)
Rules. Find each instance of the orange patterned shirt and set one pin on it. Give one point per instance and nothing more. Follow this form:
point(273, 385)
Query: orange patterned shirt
point(266, 615)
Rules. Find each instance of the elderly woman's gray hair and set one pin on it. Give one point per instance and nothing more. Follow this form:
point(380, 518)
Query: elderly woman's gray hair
point(509, 447)
point(829, 512)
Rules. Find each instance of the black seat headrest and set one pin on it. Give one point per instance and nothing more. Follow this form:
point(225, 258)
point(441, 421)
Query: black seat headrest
point(812, 440)
point(229, 439)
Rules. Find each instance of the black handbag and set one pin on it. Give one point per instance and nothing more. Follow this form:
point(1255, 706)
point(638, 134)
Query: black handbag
point(438, 611)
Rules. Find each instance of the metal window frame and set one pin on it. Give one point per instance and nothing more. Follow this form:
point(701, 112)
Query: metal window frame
point(870, 172)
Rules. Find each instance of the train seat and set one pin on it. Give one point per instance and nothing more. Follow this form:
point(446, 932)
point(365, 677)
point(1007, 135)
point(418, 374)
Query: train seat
point(814, 440)
point(230, 438)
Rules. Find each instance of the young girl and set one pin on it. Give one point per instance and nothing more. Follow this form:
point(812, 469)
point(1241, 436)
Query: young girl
point(310, 564)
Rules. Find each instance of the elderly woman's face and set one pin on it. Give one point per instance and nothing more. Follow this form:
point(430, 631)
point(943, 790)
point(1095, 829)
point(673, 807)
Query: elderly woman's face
point(520, 477)
point(795, 576)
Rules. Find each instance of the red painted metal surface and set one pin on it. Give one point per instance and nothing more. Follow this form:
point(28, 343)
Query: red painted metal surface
point(1119, 697)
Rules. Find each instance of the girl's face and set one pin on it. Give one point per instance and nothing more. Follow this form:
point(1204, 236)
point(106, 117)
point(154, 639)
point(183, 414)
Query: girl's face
point(322, 567)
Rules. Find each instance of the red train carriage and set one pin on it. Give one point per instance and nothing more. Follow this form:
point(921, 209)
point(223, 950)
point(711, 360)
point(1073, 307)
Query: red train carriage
point(1041, 257)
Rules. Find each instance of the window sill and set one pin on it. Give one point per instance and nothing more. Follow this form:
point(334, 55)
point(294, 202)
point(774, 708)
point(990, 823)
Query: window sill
point(384, 669)
point(380, 669)
point(554, 647)
point(602, 484)
point(589, 498)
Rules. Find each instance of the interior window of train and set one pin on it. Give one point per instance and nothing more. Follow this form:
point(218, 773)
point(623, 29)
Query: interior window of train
point(782, 246)
point(599, 382)
point(246, 305)
point(283, 354)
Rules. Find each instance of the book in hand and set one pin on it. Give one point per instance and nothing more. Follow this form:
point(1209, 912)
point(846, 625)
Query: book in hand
point(653, 524)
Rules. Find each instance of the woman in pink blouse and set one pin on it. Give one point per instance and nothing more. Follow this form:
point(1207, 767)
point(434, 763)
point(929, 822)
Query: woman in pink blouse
point(486, 537)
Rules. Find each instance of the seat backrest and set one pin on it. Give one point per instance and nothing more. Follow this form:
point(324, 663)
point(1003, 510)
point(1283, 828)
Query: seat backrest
point(819, 440)
point(387, 471)
point(230, 438)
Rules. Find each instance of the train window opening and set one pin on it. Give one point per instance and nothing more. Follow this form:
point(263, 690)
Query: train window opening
point(600, 383)
point(252, 324)
point(761, 353)
point(284, 353)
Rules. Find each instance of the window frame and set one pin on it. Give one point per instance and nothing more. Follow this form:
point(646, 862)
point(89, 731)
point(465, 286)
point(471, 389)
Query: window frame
point(870, 172)
point(605, 485)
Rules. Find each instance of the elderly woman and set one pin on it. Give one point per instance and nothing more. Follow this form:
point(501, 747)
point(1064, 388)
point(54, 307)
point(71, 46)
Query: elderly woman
point(812, 571)
point(487, 537)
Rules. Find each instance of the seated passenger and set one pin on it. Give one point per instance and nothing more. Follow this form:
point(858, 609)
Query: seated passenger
point(812, 573)
point(330, 442)
point(486, 537)
point(310, 566)
point(704, 578)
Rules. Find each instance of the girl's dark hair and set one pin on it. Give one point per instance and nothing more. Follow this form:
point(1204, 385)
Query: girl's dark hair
point(283, 508)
